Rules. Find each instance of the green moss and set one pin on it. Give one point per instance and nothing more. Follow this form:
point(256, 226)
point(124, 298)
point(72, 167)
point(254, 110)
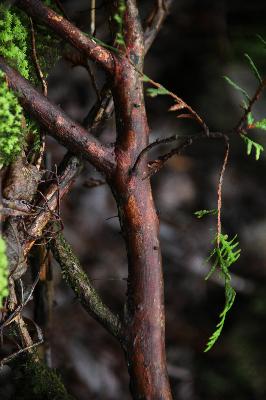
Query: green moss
point(34, 380)
point(3, 271)
point(13, 46)
point(11, 132)
point(13, 40)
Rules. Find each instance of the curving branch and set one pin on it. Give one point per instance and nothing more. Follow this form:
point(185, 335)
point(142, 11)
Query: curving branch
point(156, 165)
point(57, 123)
point(69, 32)
point(80, 283)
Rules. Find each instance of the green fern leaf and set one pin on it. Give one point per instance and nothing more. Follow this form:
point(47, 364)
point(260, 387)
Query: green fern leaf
point(261, 124)
point(252, 145)
point(153, 92)
point(201, 213)
point(253, 68)
point(224, 255)
point(250, 119)
point(235, 86)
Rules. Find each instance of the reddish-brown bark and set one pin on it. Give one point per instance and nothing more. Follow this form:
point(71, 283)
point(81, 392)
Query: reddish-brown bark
point(143, 326)
point(69, 32)
point(145, 317)
point(57, 123)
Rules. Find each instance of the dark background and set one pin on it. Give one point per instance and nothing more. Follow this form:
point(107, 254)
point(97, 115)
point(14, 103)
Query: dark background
point(200, 42)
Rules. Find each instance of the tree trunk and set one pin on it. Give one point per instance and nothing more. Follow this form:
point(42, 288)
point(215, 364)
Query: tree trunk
point(145, 318)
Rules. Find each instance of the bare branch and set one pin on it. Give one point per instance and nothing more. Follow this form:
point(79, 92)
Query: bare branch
point(156, 165)
point(156, 143)
point(69, 32)
point(92, 17)
point(36, 61)
point(219, 191)
point(81, 284)
point(57, 123)
point(133, 34)
point(155, 21)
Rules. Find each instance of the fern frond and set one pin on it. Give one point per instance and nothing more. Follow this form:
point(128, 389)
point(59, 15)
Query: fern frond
point(230, 295)
point(223, 255)
point(261, 124)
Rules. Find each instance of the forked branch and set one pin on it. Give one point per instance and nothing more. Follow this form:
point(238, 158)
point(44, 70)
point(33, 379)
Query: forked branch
point(57, 123)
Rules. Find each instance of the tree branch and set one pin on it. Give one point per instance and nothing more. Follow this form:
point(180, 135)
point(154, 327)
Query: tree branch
point(77, 279)
point(133, 33)
point(144, 316)
point(155, 165)
point(155, 21)
point(57, 123)
point(69, 32)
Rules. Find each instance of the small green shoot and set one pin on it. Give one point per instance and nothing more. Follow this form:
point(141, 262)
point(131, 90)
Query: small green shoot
point(201, 213)
point(252, 145)
point(250, 119)
point(154, 92)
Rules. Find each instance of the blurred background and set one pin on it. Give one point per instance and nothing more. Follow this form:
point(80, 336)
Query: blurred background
point(200, 42)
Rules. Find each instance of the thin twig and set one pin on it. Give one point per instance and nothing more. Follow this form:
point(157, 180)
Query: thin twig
point(19, 308)
point(243, 119)
point(219, 191)
point(42, 79)
point(156, 143)
point(93, 80)
point(17, 353)
point(92, 18)
point(36, 61)
point(155, 20)
point(170, 139)
point(156, 165)
point(181, 104)
point(62, 9)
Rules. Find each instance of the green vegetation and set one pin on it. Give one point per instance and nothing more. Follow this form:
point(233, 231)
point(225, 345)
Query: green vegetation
point(118, 18)
point(223, 256)
point(13, 46)
point(11, 132)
